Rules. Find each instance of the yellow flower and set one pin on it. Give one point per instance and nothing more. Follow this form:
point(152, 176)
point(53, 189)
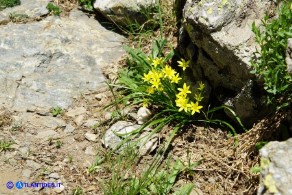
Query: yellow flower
point(185, 90)
point(194, 107)
point(175, 79)
point(145, 103)
point(150, 90)
point(147, 77)
point(155, 83)
point(199, 97)
point(182, 103)
point(157, 61)
point(201, 86)
point(168, 72)
point(184, 64)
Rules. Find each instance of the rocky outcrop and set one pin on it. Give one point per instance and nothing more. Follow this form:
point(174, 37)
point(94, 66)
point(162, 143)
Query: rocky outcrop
point(47, 63)
point(217, 37)
point(276, 168)
point(126, 12)
point(289, 56)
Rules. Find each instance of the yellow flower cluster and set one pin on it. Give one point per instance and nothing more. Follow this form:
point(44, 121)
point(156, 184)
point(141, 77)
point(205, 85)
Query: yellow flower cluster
point(182, 101)
point(160, 72)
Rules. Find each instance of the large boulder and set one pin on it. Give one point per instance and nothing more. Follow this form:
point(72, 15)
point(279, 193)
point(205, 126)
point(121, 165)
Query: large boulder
point(216, 36)
point(47, 63)
point(276, 168)
point(126, 12)
point(289, 56)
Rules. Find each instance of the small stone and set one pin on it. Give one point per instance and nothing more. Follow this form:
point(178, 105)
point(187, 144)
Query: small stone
point(46, 134)
point(107, 116)
point(111, 140)
point(54, 176)
point(90, 137)
point(90, 151)
point(76, 111)
point(100, 96)
point(60, 189)
point(69, 129)
point(26, 173)
point(23, 150)
point(33, 164)
point(147, 143)
point(143, 115)
point(90, 123)
point(79, 120)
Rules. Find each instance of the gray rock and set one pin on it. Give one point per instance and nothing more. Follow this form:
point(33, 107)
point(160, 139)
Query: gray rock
point(69, 129)
point(39, 71)
point(111, 140)
point(143, 115)
point(33, 164)
point(90, 151)
point(91, 137)
point(90, 123)
point(24, 151)
point(79, 120)
point(76, 111)
point(147, 143)
point(26, 173)
point(289, 56)
point(218, 39)
point(54, 176)
point(276, 173)
point(46, 134)
point(125, 12)
point(107, 116)
point(28, 8)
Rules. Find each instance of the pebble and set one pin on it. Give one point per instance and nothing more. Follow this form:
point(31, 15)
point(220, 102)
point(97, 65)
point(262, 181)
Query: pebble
point(90, 151)
point(32, 164)
point(79, 120)
point(69, 129)
point(143, 115)
point(60, 189)
point(54, 176)
point(90, 123)
point(100, 96)
point(90, 137)
point(26, 173)
point(107, 116)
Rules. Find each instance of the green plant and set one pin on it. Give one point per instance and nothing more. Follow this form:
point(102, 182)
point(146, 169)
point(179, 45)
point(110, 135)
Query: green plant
point(16, 127)
point(270, 66)
point(8, 3)
point(5, 145)
point(154, 179)
point(96, 165)
point(54, 9)
point(77, 191)
point(70, 158)
point(86, 4)
point(56, 111)
point(59, 143)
